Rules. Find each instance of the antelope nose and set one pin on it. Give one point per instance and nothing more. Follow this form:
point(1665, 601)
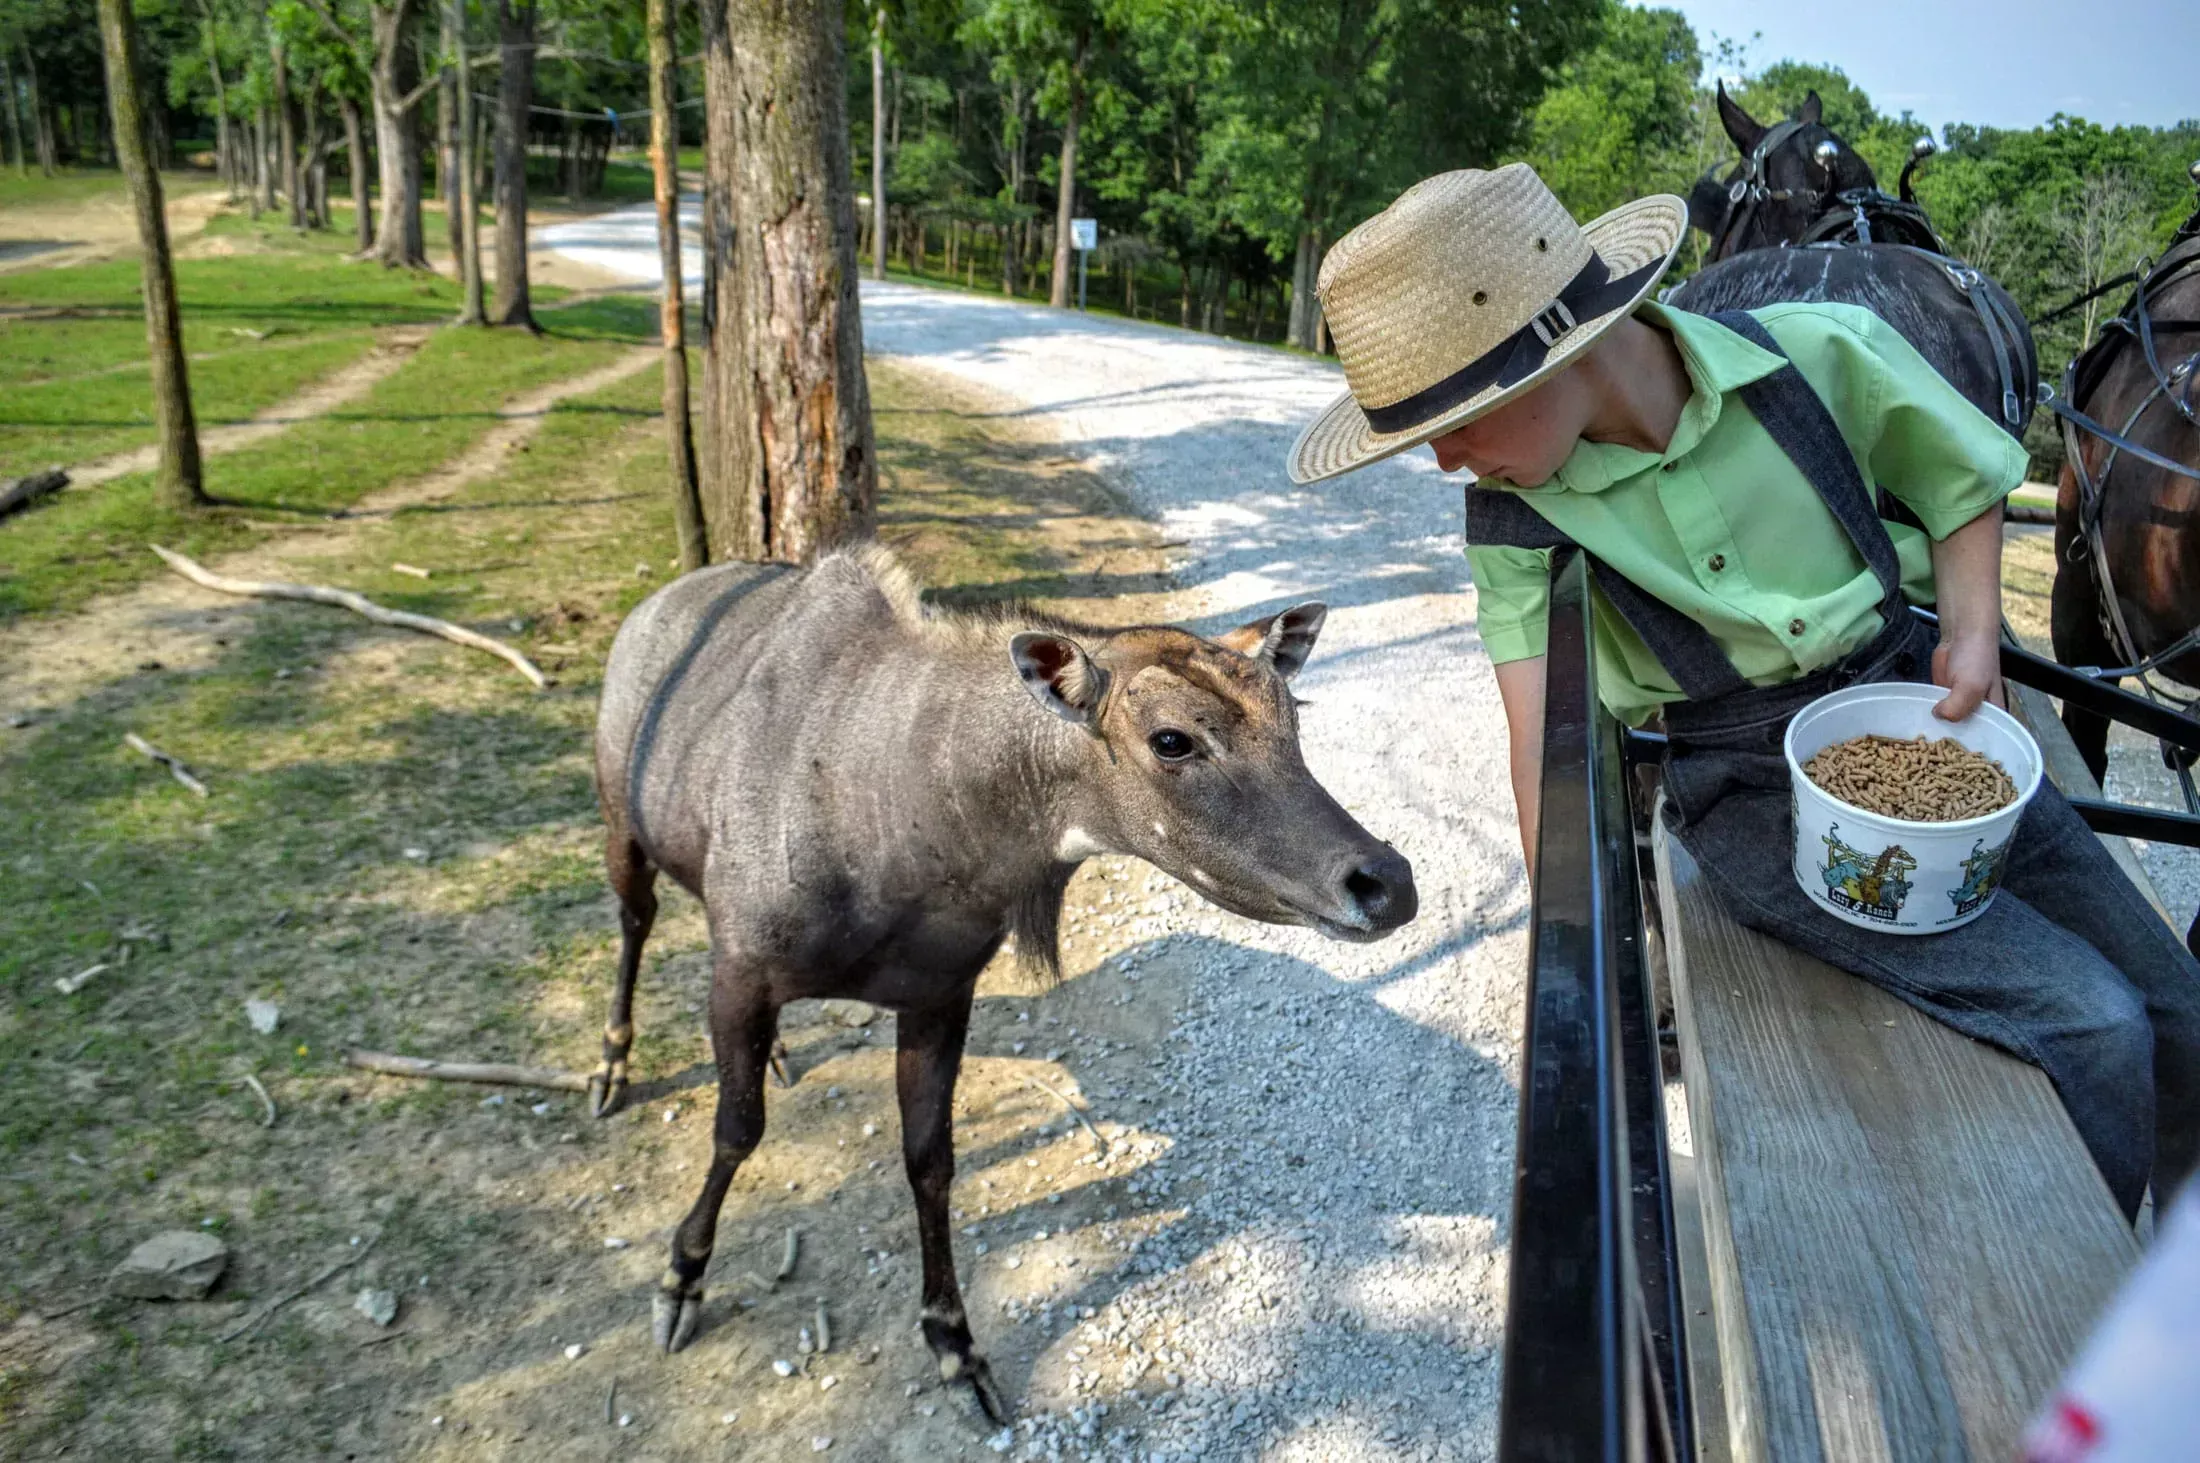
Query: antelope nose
point(1380, 888)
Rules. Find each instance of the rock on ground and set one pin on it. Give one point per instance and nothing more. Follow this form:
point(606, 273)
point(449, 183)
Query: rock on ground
point(178, 1264)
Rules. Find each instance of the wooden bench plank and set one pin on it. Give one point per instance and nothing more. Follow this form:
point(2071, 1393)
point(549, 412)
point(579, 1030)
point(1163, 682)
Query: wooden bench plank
point(1906, 1240)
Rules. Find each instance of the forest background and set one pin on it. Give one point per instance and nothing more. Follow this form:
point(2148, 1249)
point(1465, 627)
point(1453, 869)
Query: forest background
point(1221, 144)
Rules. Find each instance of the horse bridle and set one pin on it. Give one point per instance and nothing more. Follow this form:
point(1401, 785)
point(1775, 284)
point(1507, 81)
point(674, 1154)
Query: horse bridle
point(1747, 188)
point(2172, 383)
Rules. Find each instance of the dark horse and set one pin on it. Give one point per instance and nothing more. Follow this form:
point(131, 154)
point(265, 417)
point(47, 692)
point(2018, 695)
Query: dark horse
point(2127, 533)
point(1802, 218)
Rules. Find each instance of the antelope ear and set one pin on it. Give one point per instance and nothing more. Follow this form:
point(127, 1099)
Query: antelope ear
point(1059, 675)
point(1812, 109)
point(1742, 128)
point(1283, 640)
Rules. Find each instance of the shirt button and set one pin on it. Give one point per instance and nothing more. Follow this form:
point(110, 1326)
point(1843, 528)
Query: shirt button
point(1795, 627)
point(1718, 562)
point(1669, 467)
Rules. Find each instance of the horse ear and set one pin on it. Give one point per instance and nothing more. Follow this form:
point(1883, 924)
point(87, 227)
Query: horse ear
point(1812, 109)
point(1707, 202)
point(1740, 126)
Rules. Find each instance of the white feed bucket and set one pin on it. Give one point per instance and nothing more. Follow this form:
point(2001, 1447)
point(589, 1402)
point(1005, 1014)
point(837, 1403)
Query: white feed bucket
point(1892, 874)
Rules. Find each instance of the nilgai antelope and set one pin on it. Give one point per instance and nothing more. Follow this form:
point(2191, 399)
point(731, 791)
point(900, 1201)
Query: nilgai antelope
point(868, 795)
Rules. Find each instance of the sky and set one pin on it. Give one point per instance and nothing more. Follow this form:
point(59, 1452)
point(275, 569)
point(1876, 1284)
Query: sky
point(2010, 63)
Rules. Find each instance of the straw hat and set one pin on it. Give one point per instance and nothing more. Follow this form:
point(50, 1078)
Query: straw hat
point(1469, 290)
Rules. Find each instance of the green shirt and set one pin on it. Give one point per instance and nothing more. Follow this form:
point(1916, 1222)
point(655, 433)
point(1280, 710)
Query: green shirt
point(1724, 528)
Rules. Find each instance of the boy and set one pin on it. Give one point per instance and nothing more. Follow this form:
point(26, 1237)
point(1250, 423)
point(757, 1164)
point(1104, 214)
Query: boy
point(1720, 474)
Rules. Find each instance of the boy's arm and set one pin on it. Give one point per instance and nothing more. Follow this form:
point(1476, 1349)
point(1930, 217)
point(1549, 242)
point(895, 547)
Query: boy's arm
point(1967, 579)
point(1520, 687)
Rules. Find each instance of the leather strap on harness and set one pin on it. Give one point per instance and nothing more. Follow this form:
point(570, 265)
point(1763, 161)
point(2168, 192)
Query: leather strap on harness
point(1800, 425)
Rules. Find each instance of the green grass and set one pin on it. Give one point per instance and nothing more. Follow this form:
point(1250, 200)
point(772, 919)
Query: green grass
point(77, 185)
point(259, 323)
point(80, 544)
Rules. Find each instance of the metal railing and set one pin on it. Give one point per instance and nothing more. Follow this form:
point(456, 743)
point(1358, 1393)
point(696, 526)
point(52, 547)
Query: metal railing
point(1595, 1364)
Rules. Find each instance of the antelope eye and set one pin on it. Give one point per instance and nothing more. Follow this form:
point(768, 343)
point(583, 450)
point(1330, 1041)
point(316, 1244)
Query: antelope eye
point(1171, 745)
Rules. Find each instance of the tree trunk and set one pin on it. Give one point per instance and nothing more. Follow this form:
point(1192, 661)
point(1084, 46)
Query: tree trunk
point(448, 141)
point(15, 121)
point(1013, 123)
point(314, 167)
point(41, 120)
point(398, 241)
point(225, 161)
point(355, 155)
point(790, 469)
point(263, 172)
point(286, 137)
point(878, 139)
point(1305, 301)
point(178, 482)
point(466, 213)
point(1065, 202)
point(515, 93)
point(664, 162)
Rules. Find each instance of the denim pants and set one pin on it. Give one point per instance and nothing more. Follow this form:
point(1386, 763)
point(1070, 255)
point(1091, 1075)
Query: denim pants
point(2069, 968)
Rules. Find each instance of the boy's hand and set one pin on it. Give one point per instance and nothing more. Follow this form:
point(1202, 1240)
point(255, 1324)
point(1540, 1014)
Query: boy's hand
point(1970, 669)
point(1967, 573)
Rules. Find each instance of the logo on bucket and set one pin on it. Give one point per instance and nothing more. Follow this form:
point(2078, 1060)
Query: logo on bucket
point(1864, 884)
point(1981, 877)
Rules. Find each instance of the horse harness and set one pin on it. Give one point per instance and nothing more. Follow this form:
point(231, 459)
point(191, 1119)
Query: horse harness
point(1869, 216)
point(2173, 383)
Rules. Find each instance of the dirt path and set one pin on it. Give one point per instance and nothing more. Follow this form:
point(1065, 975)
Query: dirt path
point(392, 348)
point(77, 230)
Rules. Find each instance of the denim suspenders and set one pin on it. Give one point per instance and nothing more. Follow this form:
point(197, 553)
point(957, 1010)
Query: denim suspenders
point(1799, 423)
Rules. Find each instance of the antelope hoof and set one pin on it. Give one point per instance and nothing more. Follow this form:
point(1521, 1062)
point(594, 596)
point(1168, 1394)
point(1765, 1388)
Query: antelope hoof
point(970, 1369)
point(606, 1089)
point(673, 1319)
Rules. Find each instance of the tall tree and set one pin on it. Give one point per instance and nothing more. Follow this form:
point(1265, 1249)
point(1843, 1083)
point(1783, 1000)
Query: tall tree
point(515, 94)
point(178, 481)
point(15, 124)
point(286, 130)
point(1065, 192)
point(786, 409)
point(398, 239)
point(664, 161)
point(878, 139)
point(462, 197)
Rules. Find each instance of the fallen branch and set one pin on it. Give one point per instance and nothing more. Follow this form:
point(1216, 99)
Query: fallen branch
point(789, 1256)
point(1074, 1111)
point(357, 604)
point(21, 492)
point(175, 768)
point(824, 1329)
point(260, 1316)
point(413, 569)
point(498, 1074)
point(69, 985)
point(265, 1101)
